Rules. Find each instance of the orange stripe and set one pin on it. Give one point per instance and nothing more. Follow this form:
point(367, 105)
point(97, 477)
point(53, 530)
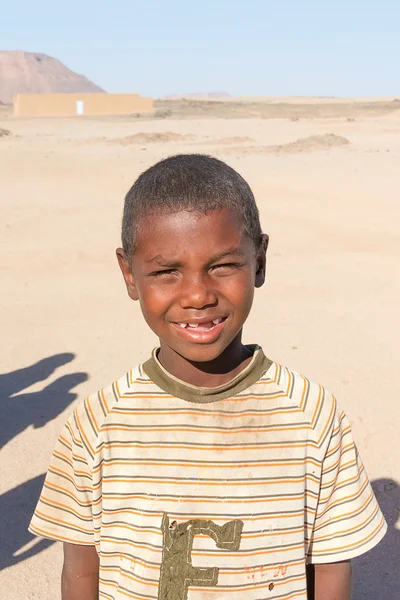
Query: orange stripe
point(262, 568)
point(219, 448)
point(208, 501)
point(335, 464)
point(343, 515)
point(62, 538)
point(350, 546)
point(244, 571)
point(214, 518)
point(92, 415)
point(265, 429)
point(117, 388)
point(343, 498)
point(317, 405)
point(292, 548)
point(327, 424)
point(134, 560)
point(53, 486)
point(290, 379)
point(74, 455)
point(70, 462)
point(129, 595)
point(336, 479)
point(62, 522)
point(150, 382)
point(84, 436)
point(66, 442)
point(301, 404)
point(81, 488)
point(198, 484)
point(234, 399)
point(249, 588)
point(135, 578)
point(77, 441)
point(208, 413)
point(244, 536)
point(63, 506)
point(111, 463)
point(103, 397)
point(342, 483)
point(354, 528)
point(120, 592)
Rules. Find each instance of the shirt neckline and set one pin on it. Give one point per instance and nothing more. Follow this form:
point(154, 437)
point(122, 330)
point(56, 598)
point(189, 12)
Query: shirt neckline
point(258, 365)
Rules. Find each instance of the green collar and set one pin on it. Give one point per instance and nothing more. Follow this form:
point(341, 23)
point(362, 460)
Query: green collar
point(258, 365)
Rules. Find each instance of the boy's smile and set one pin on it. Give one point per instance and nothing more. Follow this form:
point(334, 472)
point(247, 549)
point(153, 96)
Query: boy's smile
point(194, 275)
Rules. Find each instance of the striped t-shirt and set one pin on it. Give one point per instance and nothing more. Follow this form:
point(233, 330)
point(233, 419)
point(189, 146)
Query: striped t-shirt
point(200, 493)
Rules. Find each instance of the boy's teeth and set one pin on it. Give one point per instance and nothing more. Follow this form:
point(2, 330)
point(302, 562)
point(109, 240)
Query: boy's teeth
point(201, 325)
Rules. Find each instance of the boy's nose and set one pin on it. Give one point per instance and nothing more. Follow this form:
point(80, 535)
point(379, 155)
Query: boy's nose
point(197, 294)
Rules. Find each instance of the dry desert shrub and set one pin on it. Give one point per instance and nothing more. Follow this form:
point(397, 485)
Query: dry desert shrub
point(4, 132)
point(312, 143)
point(152, 138)
point(162, 113)
point(227, 140)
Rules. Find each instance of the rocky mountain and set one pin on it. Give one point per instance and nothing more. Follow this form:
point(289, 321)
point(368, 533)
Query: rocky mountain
point(33, 73)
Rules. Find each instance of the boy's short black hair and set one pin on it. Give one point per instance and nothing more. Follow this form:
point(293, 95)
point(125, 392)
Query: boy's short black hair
point(188, 182)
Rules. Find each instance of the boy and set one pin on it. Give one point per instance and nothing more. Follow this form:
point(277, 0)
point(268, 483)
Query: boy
point(209, 469)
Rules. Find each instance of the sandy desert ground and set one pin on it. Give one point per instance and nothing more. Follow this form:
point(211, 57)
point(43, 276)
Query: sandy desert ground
point(326, 176)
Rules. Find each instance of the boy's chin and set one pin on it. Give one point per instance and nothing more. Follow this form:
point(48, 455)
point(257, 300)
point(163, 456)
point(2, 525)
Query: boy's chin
point(199, 353)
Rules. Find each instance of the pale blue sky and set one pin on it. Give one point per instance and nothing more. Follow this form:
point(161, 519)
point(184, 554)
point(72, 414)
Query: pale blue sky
point(254, 47)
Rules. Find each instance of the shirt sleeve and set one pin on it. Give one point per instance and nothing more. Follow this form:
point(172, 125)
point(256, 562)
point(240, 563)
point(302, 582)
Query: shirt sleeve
point(64, 510)
point(348, 520)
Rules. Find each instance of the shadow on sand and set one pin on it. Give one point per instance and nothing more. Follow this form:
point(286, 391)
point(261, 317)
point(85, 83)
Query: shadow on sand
point(19, 411)
point(377, 573)
point(16, 507)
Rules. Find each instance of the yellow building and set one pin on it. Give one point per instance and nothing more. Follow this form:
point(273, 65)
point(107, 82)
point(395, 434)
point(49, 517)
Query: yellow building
point(69, 105)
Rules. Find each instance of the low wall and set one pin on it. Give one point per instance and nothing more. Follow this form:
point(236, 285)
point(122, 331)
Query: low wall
point(69, 105)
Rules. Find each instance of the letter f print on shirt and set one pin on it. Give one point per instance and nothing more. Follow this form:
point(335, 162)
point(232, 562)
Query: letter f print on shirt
point(177, 571)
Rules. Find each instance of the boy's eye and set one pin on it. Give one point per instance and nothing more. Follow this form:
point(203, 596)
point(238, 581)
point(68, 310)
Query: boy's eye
point(163, 272)
point(226, 266)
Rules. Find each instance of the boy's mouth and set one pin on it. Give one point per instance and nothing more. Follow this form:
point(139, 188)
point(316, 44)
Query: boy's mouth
point(205, 326)
point(203, 332)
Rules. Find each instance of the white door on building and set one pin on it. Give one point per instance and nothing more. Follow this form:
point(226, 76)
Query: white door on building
point(80, 107)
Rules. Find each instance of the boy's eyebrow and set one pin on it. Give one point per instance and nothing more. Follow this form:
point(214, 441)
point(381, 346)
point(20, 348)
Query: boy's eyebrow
point(235, 251)
point(163, 262)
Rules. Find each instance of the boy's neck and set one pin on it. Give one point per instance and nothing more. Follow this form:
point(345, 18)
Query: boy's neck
point(210, 374)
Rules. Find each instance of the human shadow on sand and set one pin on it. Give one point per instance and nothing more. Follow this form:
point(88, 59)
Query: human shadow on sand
point(377, 573)
point(20, 410)
point(16, 508)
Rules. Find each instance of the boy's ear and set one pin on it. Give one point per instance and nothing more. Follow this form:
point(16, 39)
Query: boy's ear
point(262, 260)
point(127, 274)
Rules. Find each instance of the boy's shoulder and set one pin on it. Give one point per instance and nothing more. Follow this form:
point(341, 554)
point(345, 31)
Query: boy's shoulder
point(317, 404)
point(91, 413)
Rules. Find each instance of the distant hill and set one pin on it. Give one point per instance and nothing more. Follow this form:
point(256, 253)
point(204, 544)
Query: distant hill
point(199, 96)
point(33, 73)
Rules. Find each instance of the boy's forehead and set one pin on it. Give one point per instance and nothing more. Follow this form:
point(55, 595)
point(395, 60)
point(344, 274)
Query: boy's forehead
point(189, 229)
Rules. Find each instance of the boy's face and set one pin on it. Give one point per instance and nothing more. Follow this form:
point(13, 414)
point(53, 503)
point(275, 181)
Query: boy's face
point(194, 275)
